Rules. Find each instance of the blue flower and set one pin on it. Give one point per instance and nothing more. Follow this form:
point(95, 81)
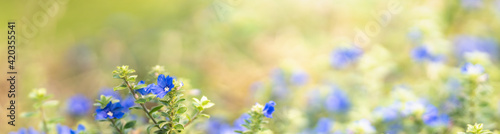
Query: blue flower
point(218, 126)
point(341, 58)
point(238, 123)
point(324, 126)
point(299, 78)
point(387, 114)
point(432, 117)
point(145, 90)
point(66, 130)
point(111, 111)
point(24, 131)
point(127, 103)
point(78, 105)
point(338, 101)
point(269, 109)
point(420, 53)
point(164, 85)
point(471, 69)
point(465, 44)
point(279, 85)
point(471, 4)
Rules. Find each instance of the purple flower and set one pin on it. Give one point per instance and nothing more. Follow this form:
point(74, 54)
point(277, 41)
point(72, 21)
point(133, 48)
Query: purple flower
point(324, 126)
point(24, 131)
point(471, 4)
point(66, 130)
point(78, 105)
point(164, 85)
point(471, 69)
point(387, 114)
point(269, 109)
point(238, 123)
point(420, 53)
point(466, 43)
point(432, 117)
point(341, 58)
point(127, 103)
point(299, 78)
point(338, 102)
point(111, 111)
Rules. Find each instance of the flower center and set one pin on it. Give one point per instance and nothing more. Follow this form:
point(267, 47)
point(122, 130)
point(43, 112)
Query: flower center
point(166, 89)
point(110, 114)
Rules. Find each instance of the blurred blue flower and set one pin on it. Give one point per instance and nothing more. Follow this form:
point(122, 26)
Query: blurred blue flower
point(466, 43)
point(279, 85)
point(127, 103)
point(299, 78)
point(432, 117)
point(341, 58)
point(269, 109)
point(218, 126)
point(471, 4)
point(471, 69)
point(238, 123)
point(415, 35)
point(111, 111)
point(387, 114)
point(66, 130)
point(420, 53)
point(164, 85)
point(323, 126)
point(26, 131)
point(78, 105)
point(145, 90)
point(338, 101)
point(110, 92)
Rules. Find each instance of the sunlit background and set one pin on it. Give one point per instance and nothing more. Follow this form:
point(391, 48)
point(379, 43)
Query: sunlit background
point(329, 65)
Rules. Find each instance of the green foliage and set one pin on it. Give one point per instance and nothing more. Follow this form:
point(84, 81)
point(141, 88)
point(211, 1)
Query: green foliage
point(255, 124)
point(476, 129)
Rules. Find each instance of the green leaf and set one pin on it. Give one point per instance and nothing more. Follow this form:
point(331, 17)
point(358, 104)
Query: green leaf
point(55, 120)
point(116, 76)
point(141, 100)
point(181, 110)
point(140, 86)
point(120, 87)
point(196, 100)
point(179, 127)
point(135, 107)
point(155, 109)
point(148, 130)
point(132, 78)
point(50, 103)
point(130, 124)
point(208, 105)
point(28, 114)
point(205, 115)
point(181, 100)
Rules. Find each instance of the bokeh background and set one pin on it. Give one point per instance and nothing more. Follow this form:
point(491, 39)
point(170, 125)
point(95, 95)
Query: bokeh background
point(239, 52)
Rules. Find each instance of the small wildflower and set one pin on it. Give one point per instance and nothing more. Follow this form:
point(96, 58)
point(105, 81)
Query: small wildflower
point(78, 105)
point(66, 130)
point(164, 85)
point(111, 111)
point(338, 102)
point(269, 109)
point(341, 58)
point(323, 126)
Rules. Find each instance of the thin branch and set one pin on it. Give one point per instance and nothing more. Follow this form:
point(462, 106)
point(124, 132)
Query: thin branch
point(142, 105)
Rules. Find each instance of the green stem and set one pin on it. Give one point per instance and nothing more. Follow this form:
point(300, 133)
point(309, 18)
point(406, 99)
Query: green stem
point(194, 118)
point(142, 105)
point(44, 122)
point(114, 125)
